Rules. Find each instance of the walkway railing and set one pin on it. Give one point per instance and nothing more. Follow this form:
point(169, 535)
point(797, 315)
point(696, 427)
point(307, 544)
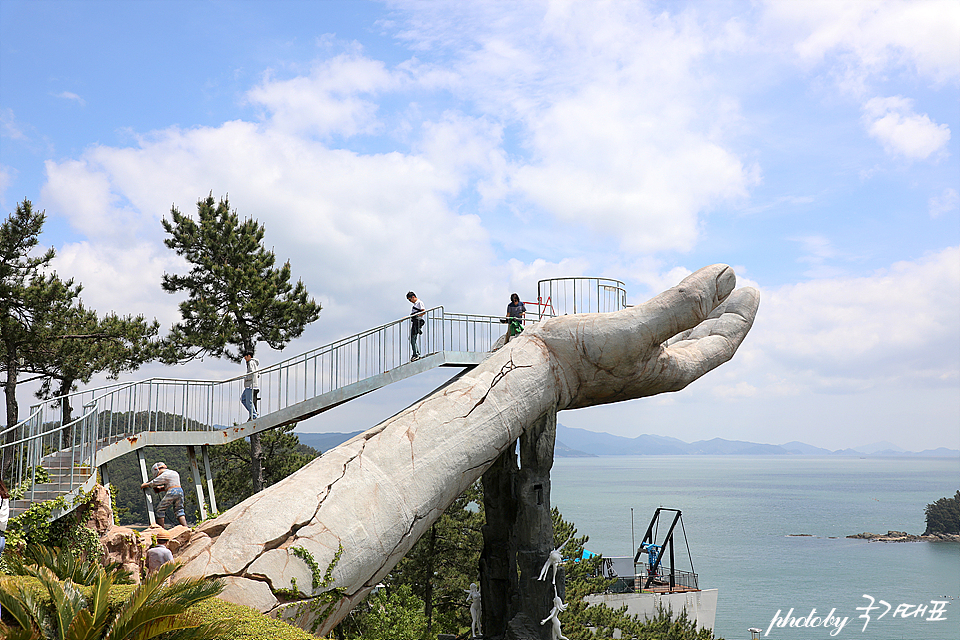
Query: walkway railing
point(563, 296)
point(122, 410)
point(44, 457)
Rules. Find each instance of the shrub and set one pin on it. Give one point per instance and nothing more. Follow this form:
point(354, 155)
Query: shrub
point(943, 516)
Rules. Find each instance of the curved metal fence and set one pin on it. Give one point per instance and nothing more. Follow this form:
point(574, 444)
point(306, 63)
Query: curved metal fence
point(564, 296)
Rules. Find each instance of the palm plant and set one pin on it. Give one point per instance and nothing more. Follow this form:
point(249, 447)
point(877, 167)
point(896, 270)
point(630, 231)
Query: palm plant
point(151, 610)
point(63, 564)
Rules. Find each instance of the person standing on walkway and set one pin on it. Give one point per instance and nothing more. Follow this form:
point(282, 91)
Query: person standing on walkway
point(167, 480)
point(416, 324)
point(4, 514)
point(251, 385)
point(515, 314)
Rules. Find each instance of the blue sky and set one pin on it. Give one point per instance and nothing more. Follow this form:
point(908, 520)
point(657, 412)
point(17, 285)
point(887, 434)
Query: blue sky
point(466, 150)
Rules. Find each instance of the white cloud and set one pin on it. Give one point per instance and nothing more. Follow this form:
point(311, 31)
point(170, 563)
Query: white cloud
point(896, 327)
point(69, 95)
point(621, 127)
point(861, 40)
point(121, 279)
point(948, 201)
point(359, 229)
point(9, 127)
point(893, 122)
point(329, 101)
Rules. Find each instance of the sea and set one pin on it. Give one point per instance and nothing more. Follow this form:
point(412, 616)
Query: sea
point(770, 534)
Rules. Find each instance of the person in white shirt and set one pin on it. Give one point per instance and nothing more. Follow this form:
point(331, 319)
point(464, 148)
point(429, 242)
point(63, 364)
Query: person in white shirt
point(169, 481)
point(251, 385)
point(4, 514)
point(416, 324)
point(158, 555)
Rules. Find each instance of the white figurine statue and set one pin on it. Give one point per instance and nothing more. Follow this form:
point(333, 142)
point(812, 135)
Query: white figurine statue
point(474, 599)
point(558, 606)
point(552, 562)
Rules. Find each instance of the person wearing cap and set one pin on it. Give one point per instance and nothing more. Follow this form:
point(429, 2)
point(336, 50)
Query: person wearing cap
point(158, 555)
point(169, 481)
point(251, 384)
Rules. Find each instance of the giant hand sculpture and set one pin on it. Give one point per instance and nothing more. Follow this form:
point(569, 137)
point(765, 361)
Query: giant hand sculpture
point(375, 495)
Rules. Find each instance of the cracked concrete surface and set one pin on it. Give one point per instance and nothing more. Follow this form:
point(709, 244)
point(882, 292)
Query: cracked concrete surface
point(376, 494)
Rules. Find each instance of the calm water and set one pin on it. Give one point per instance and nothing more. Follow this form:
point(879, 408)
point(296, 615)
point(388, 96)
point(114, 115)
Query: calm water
point(742, 515)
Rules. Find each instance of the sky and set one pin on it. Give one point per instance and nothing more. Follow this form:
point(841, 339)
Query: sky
point(468, 150)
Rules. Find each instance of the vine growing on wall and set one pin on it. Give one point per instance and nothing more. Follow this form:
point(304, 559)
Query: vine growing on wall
point(320, 606)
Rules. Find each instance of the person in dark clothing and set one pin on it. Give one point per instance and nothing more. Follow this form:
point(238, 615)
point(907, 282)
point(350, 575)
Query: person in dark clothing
point(515, 314)
point(416, 324)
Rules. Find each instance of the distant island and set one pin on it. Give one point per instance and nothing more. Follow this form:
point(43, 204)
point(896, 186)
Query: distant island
point(573, 443)
point(943, 524)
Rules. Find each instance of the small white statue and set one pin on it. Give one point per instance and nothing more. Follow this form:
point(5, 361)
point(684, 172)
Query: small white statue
point(553, 560)
point(474, 599)
point(558, 606)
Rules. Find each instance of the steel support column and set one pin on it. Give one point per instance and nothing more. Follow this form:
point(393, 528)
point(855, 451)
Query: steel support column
point(197, 482)
point(206, 468)
point(147, 493)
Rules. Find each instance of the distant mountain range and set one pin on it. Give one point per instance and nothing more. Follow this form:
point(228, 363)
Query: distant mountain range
point(580, 443)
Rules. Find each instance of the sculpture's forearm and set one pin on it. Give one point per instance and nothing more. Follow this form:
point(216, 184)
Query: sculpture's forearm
point(376, 494)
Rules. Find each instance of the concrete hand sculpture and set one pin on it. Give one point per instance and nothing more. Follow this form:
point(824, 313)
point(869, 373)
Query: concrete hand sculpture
point(473, 597)
point(558, 607)
point(376, 494)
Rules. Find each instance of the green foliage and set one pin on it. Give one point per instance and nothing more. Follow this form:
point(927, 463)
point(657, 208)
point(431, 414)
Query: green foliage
point(64, 563)
point(664, 626)
point(442, 564)
point(314, 607)
point(31, 299)
point(943, 516)
point(33, 528)
point(394, 613)
point(45, 329)
point(39, 474)
point(282, 455)
point(151, 610)
point(81, 344)
point(251, 624)
point(236, 297)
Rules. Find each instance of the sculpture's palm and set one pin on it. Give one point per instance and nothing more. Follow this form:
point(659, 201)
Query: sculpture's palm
point(662, 345)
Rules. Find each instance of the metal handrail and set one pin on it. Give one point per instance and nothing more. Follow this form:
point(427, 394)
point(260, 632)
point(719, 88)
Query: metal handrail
point(562, 296)
point(122, 409)
point(119, 410)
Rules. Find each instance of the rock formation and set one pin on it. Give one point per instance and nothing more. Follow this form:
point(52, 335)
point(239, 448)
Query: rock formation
point(376, 494)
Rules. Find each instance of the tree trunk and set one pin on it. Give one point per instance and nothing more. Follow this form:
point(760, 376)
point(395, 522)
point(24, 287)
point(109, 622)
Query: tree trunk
point(428, 590)
point(66, 412)
point(10, 393)
point(256, 462)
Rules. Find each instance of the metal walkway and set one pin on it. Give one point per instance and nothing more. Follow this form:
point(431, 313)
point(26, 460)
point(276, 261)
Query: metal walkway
point(45, 459)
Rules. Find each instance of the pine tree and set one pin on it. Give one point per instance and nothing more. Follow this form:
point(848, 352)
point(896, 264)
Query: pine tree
point(81, 344)
point(236, 296)
point(30, 299)
point(442, 564)
point(283, 454)
point(943, 516)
